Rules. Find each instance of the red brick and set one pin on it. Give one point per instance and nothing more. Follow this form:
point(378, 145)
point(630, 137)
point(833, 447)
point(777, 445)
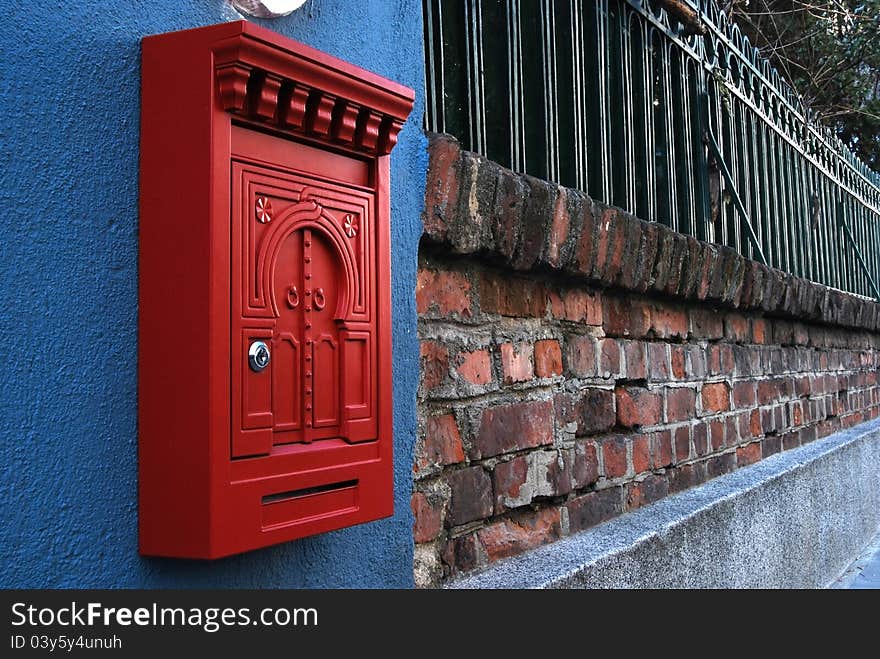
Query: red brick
point(768, 392)
point(508, 479)
point(506, 428)
point(634, 353)
point(677, 362)
point(680, 404)
point(641, 493)
point(581, 306)
point(748, 454)
point(700, 435)
point(716, 397)
point(759, 331)
point(580, 356)
point(744, 395)
point(595, 507)
point(609, 358)
point(516, 362)
point(513, 296)
point(736, 328)
point(682, 439)
point(509, 537)
point(585, 467)
point(558, 233)
point(597, 411)
point(442, 443)
point(441, 196)
point(427, 518)
point(471, 498)
point(661, 448)
point(443, 292)
point(756, 427)
point(548, 358)
point(637, 406)
point(475, 367)
point(641, 453)
point(623, 317)
point(434, 364)
point(658, 362)
point(668, 322)
point(716, 433)
point(614, 457)
point(706, 324)
point(465, 553)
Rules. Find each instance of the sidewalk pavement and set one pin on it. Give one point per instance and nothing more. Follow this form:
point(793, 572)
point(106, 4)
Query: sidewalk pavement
point(864, 573)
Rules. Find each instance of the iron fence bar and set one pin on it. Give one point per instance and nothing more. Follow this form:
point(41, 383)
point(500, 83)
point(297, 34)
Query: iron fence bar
point(858, 254)
point(716, 152)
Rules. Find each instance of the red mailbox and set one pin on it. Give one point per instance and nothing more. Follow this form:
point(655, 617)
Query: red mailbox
point(265, 324)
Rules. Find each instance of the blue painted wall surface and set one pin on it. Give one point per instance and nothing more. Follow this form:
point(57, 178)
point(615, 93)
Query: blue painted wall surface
point(68, 275)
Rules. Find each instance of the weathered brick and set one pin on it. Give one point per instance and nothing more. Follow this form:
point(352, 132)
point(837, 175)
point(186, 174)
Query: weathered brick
point(770, 445)
point(510, 195)
point(621, 317)
point(506, 428)
point(427, 517)
point(471, 495)
point(475, 367)
point(748, 454)
point(744, 395)
point(680, 404)
point(737, 328)
point(721, 464)
point(696, 362)
point(635, 355)
point(681, 438)
point(548, 358)
point(441, 195)
point(555, 246)
point(791, 440)
point(443, 293)
point(579, 306)
point(677, 361)
point(759, 331)
point(512, 296)
point(585, 465)
point(580, 356)
point(509, 537)
point(640, 447)
point(651, 489)
point(668, 322)
point(511, 483)
point(658, 362)
point(536, 221)
point(700, 435)
point(597, 411)
point(661, 448)
point(465, 553)
point(716, 429)
point(592, 508)
point(637, 406)
point(609, 358)
point(517, 362)
point(716, 397)
point(442, 445)
point(706, 324)
point(434, 364)
point(585, 249)
point(614, 456)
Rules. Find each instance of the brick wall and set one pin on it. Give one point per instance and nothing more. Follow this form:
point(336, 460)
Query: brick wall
point(577, 363)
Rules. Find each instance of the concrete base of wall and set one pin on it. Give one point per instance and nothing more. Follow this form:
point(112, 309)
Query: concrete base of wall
point(794, 520)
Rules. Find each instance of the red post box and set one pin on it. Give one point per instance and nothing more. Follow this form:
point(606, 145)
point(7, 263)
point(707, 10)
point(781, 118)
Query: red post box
point(265, 323)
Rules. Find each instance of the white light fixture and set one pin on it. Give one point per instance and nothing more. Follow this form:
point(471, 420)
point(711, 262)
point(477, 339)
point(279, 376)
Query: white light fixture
point(267, 8)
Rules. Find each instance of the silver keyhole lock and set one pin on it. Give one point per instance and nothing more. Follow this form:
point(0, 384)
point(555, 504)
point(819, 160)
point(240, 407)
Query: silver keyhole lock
point(258, 356)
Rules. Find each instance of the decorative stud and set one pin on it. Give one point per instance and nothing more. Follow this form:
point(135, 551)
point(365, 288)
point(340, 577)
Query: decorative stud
point(263, 210)
point(350, 225)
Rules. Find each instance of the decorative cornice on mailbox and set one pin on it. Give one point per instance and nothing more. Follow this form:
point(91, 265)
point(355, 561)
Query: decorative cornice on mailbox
point(295, 88)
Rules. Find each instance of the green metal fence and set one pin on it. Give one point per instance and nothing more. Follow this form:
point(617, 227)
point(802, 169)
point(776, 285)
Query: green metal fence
point(698, 132)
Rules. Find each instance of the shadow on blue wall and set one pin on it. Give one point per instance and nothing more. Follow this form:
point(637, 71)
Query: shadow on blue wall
point(68, 272)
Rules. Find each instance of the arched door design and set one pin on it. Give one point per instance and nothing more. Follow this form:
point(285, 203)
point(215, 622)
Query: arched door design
point(303, 307)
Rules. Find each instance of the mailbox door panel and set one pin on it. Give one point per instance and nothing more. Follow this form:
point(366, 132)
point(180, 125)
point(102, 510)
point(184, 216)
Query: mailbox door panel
point(302, 273)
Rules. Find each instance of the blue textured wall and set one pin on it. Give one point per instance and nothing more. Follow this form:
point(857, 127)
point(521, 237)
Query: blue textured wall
point(68, 276)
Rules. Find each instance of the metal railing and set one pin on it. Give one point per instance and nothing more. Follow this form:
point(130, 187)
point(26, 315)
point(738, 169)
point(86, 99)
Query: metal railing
point(698, 132)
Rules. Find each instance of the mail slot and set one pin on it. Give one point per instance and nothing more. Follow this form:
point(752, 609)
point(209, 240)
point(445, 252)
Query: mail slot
point(264, 295)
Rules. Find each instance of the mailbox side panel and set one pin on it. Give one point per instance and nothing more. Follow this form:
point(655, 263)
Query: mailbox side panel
point(174, 286)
